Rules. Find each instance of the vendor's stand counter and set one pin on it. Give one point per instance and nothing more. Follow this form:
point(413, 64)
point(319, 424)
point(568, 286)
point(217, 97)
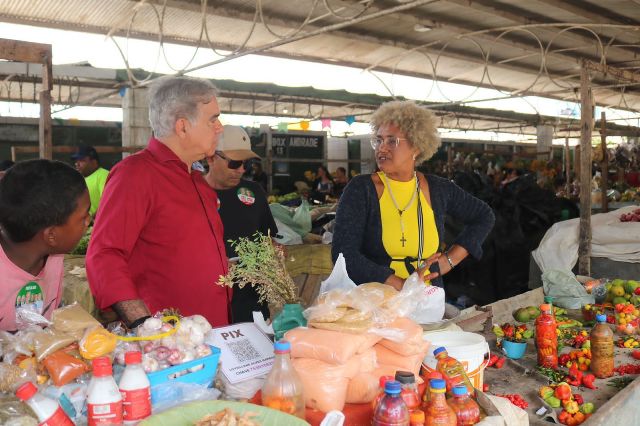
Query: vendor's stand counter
point(308, 265)
point(613, 407)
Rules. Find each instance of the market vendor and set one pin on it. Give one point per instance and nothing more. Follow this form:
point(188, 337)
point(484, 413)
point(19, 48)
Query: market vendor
point(87, 162)
point(44, 211)
point(390, 223)
point(243, 208)
point(158, 241)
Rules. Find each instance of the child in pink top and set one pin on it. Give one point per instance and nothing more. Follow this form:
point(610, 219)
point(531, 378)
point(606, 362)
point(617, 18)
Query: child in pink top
point(44, 211)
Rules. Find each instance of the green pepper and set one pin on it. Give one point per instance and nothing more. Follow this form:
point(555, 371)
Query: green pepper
point(552, 401)
point(527, 334)
point(587, 407)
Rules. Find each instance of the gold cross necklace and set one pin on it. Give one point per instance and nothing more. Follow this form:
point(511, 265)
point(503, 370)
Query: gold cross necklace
point(395, 204)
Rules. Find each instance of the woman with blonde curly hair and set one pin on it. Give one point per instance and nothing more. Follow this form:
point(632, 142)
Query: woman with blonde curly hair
point(391, 223)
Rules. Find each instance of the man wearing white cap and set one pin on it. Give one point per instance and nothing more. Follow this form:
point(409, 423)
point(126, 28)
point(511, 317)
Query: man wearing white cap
point(243, 207)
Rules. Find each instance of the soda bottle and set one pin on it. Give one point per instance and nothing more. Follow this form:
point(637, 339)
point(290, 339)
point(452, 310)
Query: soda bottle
point(104, 402)
point(438, 411)
point(453, 372)
point(547, 338)
point(409, 391)
point(466, 409)
point(391, 411)
point(282, 390)
point(416, 418)
point(382, 381)
point(47, 410)
point(602, 358)
point(135, 390)
point(427, 379)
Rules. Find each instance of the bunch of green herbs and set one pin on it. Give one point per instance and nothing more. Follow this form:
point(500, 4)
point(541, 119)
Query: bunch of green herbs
point(261, 265)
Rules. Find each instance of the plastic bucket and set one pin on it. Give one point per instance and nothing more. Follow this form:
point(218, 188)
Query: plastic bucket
point(470, 349)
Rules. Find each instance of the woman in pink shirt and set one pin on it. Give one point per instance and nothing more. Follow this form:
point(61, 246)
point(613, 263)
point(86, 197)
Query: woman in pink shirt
point(44, 211)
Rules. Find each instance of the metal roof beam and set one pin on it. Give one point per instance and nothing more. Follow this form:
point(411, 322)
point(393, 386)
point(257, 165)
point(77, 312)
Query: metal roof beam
point(591, 11)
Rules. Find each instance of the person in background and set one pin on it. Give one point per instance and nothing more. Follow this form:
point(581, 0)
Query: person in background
point(340, 181)
point(323, 185)
point(258, 175)
point(391, 223)
point(157, 241)
point(44, 211)
point(87, 162)
point(4, 166)
point(243, 208)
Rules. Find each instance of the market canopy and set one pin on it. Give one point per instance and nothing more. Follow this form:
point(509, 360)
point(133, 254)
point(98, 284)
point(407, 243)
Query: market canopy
point(523, 47)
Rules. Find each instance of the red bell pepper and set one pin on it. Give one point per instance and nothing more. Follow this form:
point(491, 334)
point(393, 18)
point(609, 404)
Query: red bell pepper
point(575, 376)
point(492, 360)
point(563, 391)
point(587, 380)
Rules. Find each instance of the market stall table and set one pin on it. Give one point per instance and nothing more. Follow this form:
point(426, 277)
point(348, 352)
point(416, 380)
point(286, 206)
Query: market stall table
point(613, 406)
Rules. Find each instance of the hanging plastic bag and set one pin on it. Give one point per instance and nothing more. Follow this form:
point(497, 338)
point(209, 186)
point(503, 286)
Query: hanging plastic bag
point(430, 303)
point(286, 236)
point(298, 220)
point(565, 289)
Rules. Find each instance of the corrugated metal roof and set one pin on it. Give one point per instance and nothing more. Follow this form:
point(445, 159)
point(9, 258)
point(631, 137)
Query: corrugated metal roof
point(509, 39)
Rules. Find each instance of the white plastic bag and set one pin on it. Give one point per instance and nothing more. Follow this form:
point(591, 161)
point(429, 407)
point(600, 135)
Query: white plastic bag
point(286, 236)
point(339, 279)
point(430, 300)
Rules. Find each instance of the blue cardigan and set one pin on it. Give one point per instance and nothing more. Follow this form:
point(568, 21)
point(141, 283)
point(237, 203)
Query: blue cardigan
point(358, 228)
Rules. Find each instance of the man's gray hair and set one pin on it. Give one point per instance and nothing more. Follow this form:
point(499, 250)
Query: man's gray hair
point(173, 98)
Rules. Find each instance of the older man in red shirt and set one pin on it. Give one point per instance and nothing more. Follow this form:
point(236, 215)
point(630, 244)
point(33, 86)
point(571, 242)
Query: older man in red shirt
point(158, 239)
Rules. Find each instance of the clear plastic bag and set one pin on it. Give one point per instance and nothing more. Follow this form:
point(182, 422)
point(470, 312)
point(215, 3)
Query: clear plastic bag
point(64, 367)
point(48, 341)
point(97, 342)
point(72, 320)
point(173, 393)
point(12, 376)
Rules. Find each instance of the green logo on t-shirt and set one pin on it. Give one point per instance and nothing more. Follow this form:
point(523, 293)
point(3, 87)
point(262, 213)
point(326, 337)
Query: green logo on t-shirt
point(246, 196)
point(30, 294)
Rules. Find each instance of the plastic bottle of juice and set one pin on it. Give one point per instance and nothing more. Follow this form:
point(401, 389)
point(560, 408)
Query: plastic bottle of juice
point(546, 337)
point(452, 371)
point(391, 411)
point(409, 391)
point(382, 381)
point(47, 410)
point(438, 411)
point(466, 409)
point(282, 390)
point(427, 379)
point(602, 348)
point(416, 418)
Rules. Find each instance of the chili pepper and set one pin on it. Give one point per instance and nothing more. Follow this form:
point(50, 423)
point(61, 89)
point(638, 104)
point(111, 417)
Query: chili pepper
point(500, 362)
point(562, 417)
point(579, 399)
point(627, 369)
point(588, 379)
point(552, 374)
point(620, 382)
point(485, 387)
point(498, 331)
point(636, 353)
point(508, 330)
point(564, 359)
point(492, 360)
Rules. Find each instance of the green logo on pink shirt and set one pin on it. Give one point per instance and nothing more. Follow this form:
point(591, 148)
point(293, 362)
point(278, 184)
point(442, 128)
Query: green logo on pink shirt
point(30, 294)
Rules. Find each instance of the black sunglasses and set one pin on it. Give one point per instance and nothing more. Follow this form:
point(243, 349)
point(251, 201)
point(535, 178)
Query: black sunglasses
point(235, 164)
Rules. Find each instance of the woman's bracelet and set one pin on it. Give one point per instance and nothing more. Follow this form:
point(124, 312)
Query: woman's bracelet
point(446, 255)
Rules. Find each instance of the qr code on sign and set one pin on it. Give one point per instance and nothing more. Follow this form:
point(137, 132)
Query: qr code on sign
point(243, 350)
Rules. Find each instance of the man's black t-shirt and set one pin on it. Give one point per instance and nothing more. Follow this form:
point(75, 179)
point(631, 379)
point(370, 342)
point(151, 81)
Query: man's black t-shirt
point(245, 210)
